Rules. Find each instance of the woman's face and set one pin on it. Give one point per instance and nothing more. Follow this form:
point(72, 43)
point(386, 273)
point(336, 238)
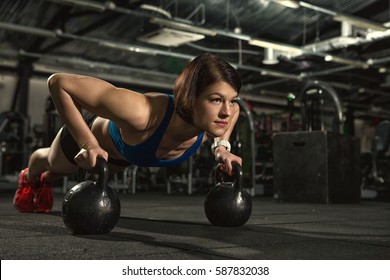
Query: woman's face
point(215, 107)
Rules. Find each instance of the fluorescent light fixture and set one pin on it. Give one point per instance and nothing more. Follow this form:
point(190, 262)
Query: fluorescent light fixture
point(275, 46)
point(183, 26)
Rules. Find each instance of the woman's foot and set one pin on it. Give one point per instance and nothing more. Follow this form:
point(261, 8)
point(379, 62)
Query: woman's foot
point(24, 195)
point(33, 197)
point(43, 199)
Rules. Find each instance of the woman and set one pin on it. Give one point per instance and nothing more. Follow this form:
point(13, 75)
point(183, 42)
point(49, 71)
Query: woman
point(126, 127)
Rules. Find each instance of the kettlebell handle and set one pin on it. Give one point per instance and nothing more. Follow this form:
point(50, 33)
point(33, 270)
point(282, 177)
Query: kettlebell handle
point(102, 166)
point(237, 173)
point(103, 172)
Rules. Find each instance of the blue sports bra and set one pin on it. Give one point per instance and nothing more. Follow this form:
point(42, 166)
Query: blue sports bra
point(144, 154)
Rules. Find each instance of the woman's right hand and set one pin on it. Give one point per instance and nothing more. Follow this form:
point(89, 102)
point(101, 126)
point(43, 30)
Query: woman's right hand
point(86, 157)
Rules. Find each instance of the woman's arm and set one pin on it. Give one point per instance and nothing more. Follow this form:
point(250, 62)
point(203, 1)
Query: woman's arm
point(72, 92)
point(221, 153)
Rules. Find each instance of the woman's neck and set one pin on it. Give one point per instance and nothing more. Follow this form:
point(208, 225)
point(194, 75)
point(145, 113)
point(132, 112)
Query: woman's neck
point(182, 130)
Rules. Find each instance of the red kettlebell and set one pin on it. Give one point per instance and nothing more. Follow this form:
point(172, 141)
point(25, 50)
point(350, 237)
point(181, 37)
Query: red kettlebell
point(92, 207)
point(228, 204)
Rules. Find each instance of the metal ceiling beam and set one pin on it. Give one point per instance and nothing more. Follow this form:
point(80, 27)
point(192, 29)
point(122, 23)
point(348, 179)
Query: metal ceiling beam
point(337, 16)
point(153, 51)
point(92, 5)
point(86, 67)
point(121, 46)
point(111, 6)
point(28, 29)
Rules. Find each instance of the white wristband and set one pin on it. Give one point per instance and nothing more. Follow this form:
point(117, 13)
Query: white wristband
point(224, 143)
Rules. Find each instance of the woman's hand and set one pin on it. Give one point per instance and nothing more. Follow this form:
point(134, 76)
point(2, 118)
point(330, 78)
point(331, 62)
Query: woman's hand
point(86, 157)
point(225, 159)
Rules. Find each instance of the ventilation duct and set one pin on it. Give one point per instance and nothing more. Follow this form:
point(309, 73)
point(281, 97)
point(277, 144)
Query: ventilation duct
point(270, 57)
point(170, 37)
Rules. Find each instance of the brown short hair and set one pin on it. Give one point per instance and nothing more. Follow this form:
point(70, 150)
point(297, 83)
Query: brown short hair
point(201, 72)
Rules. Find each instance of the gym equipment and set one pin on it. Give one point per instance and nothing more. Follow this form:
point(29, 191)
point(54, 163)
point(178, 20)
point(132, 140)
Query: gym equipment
point(376, 165)
point(318, 101)
point(52, 122)
point(92, 207)
point(228, 204)
point(13, 142)
point(316, 167)
point(246, 138)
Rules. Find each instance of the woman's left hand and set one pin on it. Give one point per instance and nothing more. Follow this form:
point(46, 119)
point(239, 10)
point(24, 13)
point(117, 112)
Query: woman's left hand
point(225, 159)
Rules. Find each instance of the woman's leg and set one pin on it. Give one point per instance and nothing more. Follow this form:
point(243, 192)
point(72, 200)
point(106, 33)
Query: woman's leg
point(34, 192)
point(50, 161)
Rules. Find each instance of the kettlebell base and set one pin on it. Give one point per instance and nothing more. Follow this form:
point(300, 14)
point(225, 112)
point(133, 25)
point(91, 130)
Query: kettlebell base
point(217, 221)
point(78, 232)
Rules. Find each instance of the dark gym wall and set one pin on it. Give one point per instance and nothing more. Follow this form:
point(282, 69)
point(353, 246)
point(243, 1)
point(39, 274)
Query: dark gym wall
point(38, 93)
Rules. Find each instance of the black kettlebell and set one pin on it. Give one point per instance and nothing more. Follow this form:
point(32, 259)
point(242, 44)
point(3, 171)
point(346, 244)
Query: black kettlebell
point(92, 207)
point(228, 204)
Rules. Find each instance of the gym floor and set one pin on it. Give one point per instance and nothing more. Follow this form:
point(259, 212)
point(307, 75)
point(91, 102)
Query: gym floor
point(155, 225)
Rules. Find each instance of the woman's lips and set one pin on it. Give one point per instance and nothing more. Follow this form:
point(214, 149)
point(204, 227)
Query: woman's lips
point(221, 123)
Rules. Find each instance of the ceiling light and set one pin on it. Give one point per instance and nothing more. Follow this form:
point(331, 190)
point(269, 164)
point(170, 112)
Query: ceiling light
point(275, 46)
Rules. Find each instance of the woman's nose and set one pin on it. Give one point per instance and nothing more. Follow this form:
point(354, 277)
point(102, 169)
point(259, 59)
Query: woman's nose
point(225, 109)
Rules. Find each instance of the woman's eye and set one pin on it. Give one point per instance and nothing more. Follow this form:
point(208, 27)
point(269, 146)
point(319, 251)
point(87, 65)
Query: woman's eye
point(217, 100)
point(234, 101)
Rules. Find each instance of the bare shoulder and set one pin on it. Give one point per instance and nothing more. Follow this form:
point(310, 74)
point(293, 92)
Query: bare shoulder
point(158, 103)
point(145, 110)
point(156, 96)
point(157, 100)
